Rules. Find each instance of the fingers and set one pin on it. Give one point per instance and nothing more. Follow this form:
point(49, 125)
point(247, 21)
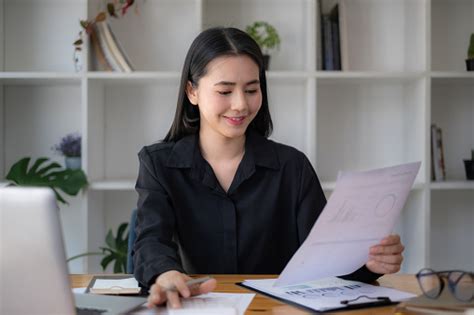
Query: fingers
point(171, 285)
point(181, 287)
point(387, 249)
point(387, 246)
point(391, 239)
point(173, 299)
point(157, 296)
point(205, 287)
point(386, 257)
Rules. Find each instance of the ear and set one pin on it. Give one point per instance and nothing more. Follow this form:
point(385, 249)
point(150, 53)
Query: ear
point(191, 92)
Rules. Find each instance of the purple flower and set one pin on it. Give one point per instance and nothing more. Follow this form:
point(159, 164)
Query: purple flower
point(70, 145)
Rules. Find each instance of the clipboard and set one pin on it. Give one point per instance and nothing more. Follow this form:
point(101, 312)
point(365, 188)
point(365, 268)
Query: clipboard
point(383, 301)
point(113, 290)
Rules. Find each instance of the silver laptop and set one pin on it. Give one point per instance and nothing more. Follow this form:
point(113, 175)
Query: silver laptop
point(34, 278)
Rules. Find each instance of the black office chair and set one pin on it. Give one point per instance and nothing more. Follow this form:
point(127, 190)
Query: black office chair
point(131, 240)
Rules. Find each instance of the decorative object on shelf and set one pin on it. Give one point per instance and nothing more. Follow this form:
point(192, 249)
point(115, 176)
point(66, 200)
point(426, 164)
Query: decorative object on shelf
point(470, 55)
point(469, 165)
point(438, 169)
point(70, 148)
point(107, 52)
point(115, 250)
point(266, 37)
point(47, 175)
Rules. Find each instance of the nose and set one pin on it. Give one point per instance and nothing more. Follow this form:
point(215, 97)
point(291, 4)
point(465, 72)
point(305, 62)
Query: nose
point(239, 102)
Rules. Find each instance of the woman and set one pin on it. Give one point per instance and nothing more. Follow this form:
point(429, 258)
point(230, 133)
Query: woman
point(216, 196)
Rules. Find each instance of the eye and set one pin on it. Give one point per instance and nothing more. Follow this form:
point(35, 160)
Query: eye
point(224, 92)
point(251, 91)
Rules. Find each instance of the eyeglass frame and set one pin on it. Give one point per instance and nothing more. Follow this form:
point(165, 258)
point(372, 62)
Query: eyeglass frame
point(443, 275)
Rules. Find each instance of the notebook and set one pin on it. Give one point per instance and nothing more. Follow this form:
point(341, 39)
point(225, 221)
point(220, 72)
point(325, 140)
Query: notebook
point(33, 270)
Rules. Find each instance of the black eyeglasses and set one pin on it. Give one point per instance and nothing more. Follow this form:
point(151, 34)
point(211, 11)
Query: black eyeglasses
point(460, 283)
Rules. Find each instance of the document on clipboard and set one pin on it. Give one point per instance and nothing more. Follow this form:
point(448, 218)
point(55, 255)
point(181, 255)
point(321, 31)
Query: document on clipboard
point(328, 294)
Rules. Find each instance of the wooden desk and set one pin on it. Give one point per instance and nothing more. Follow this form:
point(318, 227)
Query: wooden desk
point(263, 305)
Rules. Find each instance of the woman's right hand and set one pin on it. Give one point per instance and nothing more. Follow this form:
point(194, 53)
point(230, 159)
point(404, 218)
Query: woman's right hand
point(160, 292)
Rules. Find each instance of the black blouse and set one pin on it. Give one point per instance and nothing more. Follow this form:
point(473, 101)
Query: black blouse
point(187, 222)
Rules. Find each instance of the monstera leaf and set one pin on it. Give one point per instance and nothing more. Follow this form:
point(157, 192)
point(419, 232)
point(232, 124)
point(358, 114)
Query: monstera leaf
point(45, 174)
point(116, 249)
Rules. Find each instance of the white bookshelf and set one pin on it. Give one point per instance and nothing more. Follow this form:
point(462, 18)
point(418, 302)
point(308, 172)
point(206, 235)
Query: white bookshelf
point(406, 71)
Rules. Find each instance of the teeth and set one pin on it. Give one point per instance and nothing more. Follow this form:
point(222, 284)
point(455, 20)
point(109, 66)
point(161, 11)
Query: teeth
point(236, 118)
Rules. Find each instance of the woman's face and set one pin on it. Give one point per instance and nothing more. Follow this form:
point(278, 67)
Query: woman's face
point(228, 96)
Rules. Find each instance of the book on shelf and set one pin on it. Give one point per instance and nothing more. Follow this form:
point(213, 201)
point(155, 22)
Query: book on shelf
point(111, 49)
point(328, 54)
point(343, 35)
point(336, 49)
point(98, 60)
point(333, 37)
point(437, 155)
point(319, 36)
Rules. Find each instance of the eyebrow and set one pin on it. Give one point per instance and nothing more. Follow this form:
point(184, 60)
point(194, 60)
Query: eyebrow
point(233, 83)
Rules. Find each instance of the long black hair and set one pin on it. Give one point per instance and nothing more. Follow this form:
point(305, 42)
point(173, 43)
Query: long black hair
point(208, 45)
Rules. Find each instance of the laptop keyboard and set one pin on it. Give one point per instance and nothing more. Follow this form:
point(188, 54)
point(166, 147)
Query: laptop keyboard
point(89, 311)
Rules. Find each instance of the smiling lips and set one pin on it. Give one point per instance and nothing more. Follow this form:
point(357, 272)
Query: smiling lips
point(235, 121)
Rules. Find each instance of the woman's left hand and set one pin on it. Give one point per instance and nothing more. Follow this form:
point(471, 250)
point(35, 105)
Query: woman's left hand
point(386, 257)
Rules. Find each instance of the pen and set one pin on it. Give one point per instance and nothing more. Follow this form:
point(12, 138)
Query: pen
point(189, 283)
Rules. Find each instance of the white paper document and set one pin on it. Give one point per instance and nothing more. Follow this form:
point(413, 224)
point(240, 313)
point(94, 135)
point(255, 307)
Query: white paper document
point(213, 303)
point(326, 294)
point(362, 210)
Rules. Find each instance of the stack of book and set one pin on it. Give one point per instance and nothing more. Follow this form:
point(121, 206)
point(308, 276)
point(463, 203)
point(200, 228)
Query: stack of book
point(107, 53)
point(438, 171)
point(333, 54)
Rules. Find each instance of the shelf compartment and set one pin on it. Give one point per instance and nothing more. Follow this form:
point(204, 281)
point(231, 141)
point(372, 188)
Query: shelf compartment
point(451, 28)
point(452, 110)
point(156, 39)
point(288, 111)
point(411, 226)
point(122, 119)
point(36, 117)
point(290, 19)
point(108, 209)
point(368, 124)
point(369, 48)
point(39, 44)
point(452, 218)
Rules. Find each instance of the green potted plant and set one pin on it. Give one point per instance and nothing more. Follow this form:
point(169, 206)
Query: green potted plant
point(70, 148)
point(115, 251)
point(47, 174)
point(469, 165)
point(266, 37)
point(470, 54)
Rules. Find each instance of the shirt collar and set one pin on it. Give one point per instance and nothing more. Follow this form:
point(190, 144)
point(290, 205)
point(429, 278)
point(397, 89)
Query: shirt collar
point(261, 150)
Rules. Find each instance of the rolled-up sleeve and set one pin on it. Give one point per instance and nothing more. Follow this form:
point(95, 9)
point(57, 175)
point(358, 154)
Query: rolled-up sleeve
point(154, 251)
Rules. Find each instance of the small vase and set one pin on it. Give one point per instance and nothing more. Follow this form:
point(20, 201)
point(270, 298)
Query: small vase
point(73, 162)
point(470, 64)
point(469, 165)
